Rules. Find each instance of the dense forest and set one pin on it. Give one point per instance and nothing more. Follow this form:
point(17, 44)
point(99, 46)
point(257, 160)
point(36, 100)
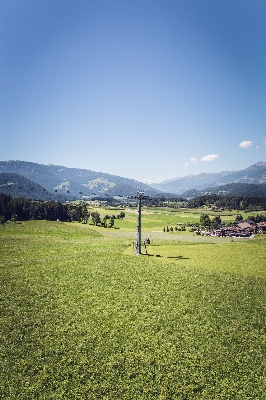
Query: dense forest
point(248, 203)
point(26, 209)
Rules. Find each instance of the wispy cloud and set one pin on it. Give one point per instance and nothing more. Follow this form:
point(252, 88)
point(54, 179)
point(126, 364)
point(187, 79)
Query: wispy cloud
point(185, 164)
point(257, 147)
point(193, 160)
point(245, 144)
point(210, 157)
point(264, 140)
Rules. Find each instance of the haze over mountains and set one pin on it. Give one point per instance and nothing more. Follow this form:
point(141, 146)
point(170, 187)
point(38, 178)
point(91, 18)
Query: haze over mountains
point(54, 182)
point(254, 174)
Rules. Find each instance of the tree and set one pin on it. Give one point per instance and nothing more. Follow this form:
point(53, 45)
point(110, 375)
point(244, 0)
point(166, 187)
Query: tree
point(73, 214)
point(104, 221)
point(96, 219)
point(111, 222)
point(84, 213)
point(216, 222)
point(79, 210)
point(205, 220)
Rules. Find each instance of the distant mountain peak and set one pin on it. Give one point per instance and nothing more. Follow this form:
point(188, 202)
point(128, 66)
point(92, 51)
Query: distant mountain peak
point(255, 173)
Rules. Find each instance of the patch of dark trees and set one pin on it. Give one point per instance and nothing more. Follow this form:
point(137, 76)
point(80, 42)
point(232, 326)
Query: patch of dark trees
point(244, 203)
point(21, 209)
point(26, 209)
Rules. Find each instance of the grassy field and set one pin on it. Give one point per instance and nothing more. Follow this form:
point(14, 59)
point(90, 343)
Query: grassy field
point(82, 318)
point(161, 217)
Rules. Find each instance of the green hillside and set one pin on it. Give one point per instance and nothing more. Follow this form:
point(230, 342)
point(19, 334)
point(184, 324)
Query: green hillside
point(18, 186)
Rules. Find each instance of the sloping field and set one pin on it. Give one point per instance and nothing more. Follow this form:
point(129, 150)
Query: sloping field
point(82, 318)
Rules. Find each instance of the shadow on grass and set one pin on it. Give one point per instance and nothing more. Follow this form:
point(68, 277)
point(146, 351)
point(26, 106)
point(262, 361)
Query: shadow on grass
point(158, 255)
point(151, 255)
point(179, 257)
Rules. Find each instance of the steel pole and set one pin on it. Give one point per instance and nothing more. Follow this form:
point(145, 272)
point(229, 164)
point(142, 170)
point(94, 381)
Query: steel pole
point(138, 244)
point(139, 196)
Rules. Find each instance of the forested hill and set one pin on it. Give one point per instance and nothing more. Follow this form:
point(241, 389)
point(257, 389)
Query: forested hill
point(232, 189)
point(243, 203)
point(75, 182)
point(18, 186)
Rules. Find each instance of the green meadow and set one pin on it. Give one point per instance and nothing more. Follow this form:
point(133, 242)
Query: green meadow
point(82, 317)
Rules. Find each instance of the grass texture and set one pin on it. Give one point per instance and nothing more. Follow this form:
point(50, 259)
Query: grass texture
point(81, 318)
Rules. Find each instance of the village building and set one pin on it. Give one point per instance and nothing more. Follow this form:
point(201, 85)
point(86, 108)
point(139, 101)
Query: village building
point(261, 227)
point(245, 228)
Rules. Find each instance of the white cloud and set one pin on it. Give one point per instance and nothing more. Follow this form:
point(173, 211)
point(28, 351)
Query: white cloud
point(245, 144)
point(193, 160)
point(264, 139)
point(186, 164)
point(257, 147)
point(210, 157)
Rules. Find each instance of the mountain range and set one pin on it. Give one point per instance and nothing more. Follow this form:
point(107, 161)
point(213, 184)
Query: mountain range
point(54, 182)
point(59, 182)
point(231, 189)
point(254, 174)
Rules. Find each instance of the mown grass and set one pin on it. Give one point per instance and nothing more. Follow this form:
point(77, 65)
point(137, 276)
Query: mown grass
point(240, 256)
point(81, 319)
point(158, 218)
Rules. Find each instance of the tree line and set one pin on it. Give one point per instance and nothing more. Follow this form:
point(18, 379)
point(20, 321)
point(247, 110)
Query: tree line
point(252, 203)
point(244, 203)
point(18, 208)
point(26, 209)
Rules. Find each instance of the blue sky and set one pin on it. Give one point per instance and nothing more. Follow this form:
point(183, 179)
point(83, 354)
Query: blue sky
point(149, 90)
